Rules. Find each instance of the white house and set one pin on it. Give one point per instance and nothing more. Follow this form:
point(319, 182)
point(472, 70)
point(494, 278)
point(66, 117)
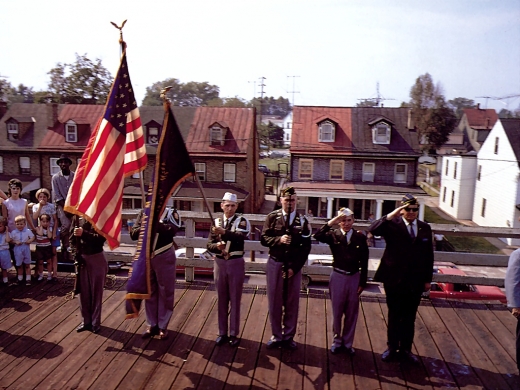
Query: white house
point(497, 189)
point(287, 128)
point(457, 185)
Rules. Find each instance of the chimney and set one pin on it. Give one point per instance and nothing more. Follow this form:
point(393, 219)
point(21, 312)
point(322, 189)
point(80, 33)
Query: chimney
point(3, 108)
point(411, 123)
point(52, 112)
point(478, 106)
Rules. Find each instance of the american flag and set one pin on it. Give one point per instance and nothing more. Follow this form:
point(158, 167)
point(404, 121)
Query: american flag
point(116, 149)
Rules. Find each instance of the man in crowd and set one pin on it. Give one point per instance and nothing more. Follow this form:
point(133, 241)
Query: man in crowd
point(348, 277)
point(227, 242)
point(287, 233)
point(406, 272)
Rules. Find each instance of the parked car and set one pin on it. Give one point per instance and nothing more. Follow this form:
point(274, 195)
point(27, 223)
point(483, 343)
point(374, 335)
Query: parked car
point(464, 290)
point(199, 253)
point(263, 168)
point(279, 154)
point(319, 260)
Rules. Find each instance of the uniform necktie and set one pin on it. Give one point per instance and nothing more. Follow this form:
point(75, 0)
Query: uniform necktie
point(412, 232)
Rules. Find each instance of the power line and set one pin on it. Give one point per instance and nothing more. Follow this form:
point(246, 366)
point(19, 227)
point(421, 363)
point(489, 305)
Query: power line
point(293, 91)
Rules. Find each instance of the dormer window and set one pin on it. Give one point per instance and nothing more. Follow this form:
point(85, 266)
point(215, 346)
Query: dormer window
point(381, 133)
point(71, 131)
point(326, 132)
point(153, 135)
point(12, 131)
point(216, 136)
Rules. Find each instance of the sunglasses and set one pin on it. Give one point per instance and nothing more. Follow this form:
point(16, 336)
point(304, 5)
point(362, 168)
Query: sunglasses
point(412, 209)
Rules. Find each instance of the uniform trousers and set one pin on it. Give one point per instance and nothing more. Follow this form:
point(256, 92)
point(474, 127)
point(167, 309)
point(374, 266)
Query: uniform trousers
point(229, 278)
point(283, 329)
point(402, 308)
point(345, 307)
point(159, 307)
point(92, 281)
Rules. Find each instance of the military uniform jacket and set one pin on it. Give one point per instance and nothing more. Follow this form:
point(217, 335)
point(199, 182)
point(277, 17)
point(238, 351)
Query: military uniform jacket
point(236, 233)
point(90, 242)
point(348, 256)
point(294, 255)
point(165, 233)
point(406, 260)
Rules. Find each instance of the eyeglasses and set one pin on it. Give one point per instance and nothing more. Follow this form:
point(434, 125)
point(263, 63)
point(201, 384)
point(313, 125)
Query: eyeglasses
point(414, 209)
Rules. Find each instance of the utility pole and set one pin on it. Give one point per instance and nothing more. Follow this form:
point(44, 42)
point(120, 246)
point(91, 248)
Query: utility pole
point(293, 90)
point(262, 85)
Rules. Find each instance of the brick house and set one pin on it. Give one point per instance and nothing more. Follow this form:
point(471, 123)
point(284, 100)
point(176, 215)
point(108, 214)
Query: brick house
point(364, 158)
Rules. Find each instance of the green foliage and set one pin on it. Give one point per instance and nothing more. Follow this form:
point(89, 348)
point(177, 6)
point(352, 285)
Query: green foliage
point(82, 82)
point(459, 104)
point(191, 94)
point(367, 103)
point(271, 106)
point(229, 102)
point(270, 134)
point(21, 94)
point(434, 119)
point(507, 114)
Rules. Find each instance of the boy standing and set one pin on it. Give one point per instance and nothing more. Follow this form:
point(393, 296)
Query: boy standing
point(43, 246)
point(21, 237)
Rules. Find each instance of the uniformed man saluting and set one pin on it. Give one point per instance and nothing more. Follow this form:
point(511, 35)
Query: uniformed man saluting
point(227, 241)
point(288, 236)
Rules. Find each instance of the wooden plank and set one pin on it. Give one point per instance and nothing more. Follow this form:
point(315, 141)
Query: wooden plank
point(124, 363)
point(216, 373)
point(70, 341)
point(483, 359)
point(437, 370)
point(315, 369)
point(202, 349)
point(363, 363)
point(243, 366)
point(449, 347)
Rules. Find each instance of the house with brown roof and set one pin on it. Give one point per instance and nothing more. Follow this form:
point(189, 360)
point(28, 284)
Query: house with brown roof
point(24, 126)
point(476, 124)
point(364, 158)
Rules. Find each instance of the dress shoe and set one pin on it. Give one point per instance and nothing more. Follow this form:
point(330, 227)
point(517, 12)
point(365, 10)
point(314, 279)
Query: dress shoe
point(407, 356)
point(350, 351)
point(221, 340)
point(335, 349)
point(163, 334)
point(96, 329)
point(290, 344)
point(83, 328)
point(272, 344)
point(150, 332)
point(389, 355)
point(234, 341)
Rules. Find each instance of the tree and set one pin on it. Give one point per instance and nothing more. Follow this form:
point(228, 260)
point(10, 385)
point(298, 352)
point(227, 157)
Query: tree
point(192, 94)
point(505, 113)
point(367, 103)
point(229, 102)
point(459, 104)
point(271, 106)
point(84, 81)
point(434, 119)
point(270, 134)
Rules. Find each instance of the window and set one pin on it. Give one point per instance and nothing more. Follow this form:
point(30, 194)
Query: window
point(400, 173)
point(1, 164)
point(53, 166)
point(153, 135)
point(71, 132)
point(200, 169)
point(326, 132)
point(305, 170)
point(452, 198)
point(12, 131)
point(336, 169)
point(381, 133)
point(455, 170)
point(369, 170)
point(479, 172)
point(447, 168)
point(289, 124)
point(229, 172)
point(483, 210)
point(496, 145)
point(216, 136)
point(25, 166)
point(444, 195)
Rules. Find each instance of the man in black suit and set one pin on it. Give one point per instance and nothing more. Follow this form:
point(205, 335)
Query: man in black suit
point(406, 272)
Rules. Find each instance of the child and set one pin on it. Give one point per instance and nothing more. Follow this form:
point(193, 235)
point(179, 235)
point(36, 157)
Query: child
point(44, 247)
point(21, 237)
point(44, 207)
point(5, 256)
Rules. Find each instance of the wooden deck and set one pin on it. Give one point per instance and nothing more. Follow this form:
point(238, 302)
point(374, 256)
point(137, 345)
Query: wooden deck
point(461, 345)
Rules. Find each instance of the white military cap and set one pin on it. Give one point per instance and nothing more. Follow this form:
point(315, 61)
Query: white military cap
point(345, 211)
point(228, 196)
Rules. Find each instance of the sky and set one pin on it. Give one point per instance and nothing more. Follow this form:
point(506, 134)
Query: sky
point(313, 52)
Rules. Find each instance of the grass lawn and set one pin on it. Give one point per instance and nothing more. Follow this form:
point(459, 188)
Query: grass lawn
point(272, 163)
point(461, 244)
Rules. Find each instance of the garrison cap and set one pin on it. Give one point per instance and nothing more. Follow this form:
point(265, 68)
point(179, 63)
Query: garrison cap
point(409, 199)
point(230, 197)
point(288, 191)
point(345, 211)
